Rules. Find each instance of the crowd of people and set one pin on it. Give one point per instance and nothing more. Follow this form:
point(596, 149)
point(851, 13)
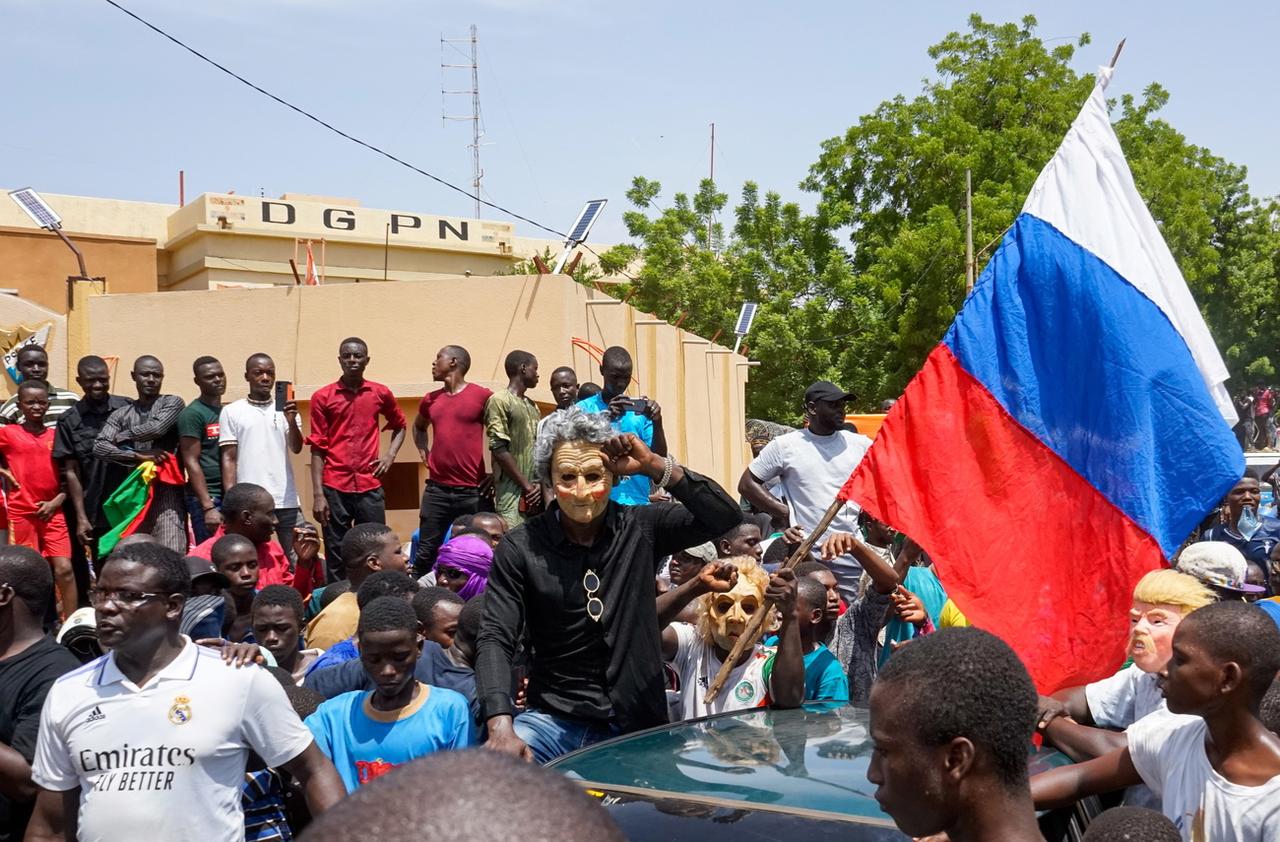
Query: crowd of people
point(220, 666)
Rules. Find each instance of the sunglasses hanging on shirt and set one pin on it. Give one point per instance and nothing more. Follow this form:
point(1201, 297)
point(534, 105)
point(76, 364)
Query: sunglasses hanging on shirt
point(591, 583)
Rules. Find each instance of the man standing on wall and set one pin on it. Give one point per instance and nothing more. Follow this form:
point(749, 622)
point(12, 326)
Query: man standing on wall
point(256, 440)
point(147, 431)
point(198, 441)
point(89, 480)
point(345, 466)
point(511, 423)
point(455, 459)
point(641, 416)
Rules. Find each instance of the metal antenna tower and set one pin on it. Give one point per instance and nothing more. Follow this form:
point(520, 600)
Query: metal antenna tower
point(474, 92)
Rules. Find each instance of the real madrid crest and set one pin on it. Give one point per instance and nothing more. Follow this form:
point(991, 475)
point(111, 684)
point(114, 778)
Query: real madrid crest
point(180, 713)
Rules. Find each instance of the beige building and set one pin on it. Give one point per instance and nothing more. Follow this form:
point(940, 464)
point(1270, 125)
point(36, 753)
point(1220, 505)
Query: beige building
point(214, 277)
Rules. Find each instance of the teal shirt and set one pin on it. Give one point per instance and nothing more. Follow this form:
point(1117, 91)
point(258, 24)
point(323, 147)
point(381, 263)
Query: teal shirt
point(633, 490)
point(922, 582)
point(824, 678)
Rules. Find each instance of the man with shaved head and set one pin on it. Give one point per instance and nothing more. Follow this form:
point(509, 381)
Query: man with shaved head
point(147, 431)
point(454, 413)
point(256, 440)
point(535, 804)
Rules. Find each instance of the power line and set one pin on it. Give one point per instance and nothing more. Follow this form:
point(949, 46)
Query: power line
point(313, 118)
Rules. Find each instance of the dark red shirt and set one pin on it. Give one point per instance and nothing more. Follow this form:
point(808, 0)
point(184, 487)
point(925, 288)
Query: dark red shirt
point(344, 428)
point(457, 435)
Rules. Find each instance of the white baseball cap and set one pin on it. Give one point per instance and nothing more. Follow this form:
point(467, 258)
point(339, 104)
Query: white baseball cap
point(1217, 564)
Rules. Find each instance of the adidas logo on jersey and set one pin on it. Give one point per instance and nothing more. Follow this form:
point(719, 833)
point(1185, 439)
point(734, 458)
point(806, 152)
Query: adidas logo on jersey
point(95, 715)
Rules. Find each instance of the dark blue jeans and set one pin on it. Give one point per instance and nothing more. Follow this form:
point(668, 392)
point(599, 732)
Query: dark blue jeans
point(440, 505)
point(549, 736)
point(197, 516)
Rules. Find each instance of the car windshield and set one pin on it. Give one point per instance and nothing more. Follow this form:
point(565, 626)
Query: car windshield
point(808, 759)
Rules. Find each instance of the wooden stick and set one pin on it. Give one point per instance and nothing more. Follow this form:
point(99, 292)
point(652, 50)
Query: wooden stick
point(1116, 55)
point(755, 626)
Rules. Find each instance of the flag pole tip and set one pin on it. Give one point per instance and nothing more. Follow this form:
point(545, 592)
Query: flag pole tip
point(1116, 55)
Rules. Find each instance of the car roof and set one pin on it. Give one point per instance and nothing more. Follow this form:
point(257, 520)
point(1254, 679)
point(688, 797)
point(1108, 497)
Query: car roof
point(808, 760)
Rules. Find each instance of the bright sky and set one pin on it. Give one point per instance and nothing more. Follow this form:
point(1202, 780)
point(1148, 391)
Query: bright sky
point(578, 97)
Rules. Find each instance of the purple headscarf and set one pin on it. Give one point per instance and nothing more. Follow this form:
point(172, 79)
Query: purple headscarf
point(471, 554)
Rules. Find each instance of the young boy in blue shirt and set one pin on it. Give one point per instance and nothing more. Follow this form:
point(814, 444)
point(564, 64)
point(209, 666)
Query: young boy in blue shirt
point(368, 733)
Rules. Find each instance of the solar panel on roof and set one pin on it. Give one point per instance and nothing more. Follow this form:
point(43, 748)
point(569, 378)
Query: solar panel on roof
point(585, 220)
point(745, 318)
point(30, 201)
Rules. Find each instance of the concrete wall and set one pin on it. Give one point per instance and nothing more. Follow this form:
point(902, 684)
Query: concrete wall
point(700, 386)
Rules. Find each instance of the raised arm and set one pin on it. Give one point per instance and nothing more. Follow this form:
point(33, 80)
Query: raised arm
point(884, 576)
point(716, 577)
point(786, 682)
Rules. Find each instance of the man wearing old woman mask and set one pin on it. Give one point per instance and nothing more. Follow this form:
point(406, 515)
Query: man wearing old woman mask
point(578, 580)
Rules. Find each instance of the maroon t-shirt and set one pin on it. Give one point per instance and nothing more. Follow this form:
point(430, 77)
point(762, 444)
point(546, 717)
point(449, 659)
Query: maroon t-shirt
point(457, 435)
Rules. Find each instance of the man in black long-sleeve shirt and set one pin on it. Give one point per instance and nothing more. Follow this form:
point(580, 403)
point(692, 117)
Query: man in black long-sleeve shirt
point(579, 579)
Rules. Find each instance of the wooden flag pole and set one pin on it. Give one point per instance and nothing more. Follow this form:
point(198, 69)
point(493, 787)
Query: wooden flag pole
point(1116, 55)
point(755, 627)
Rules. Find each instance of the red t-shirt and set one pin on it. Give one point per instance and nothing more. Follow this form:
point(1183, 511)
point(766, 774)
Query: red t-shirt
point(30, 458)
point(457, 435)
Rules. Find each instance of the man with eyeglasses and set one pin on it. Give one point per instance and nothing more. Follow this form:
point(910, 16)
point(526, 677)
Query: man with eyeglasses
point(151, 740)
point(578, 581)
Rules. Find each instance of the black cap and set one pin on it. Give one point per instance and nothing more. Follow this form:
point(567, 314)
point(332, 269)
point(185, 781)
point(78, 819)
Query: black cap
point(198, 567)
point(825, 390)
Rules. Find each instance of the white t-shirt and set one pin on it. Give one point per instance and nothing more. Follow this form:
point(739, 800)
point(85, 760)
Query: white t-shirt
point(1168, 752)
point(1124, 698)
point(261, 437)
point(697, 664)
point(811, 470)
point(165, 760)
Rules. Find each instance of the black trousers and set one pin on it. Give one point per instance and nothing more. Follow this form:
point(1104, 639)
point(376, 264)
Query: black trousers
point(440, 505)
point(347, 509)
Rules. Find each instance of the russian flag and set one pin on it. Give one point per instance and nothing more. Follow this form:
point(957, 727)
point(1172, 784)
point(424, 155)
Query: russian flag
point(1073, 426)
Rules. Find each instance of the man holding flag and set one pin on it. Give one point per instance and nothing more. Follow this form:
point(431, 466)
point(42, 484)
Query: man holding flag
point(1078, 397)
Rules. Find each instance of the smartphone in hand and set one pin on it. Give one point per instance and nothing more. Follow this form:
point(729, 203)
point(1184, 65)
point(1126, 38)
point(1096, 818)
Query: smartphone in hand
point(284, 394)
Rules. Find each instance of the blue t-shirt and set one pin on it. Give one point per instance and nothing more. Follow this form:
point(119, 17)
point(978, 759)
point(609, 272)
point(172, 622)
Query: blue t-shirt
point(338, 653)
point(633, 490)
point(364, 743)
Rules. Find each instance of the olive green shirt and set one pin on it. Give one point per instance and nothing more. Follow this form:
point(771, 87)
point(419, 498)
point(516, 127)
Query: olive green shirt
point(511, 424)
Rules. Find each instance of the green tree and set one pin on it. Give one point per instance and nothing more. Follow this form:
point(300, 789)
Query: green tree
point(861, 290)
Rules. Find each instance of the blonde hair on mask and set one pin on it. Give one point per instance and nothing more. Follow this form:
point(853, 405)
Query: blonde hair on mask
point(749, 569)
point(1169, 587)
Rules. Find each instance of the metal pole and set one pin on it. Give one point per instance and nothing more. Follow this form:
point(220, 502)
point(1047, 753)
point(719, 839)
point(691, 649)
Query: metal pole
point(713, 179)
point(386, 248)
point(475, 122)
point(968, 232)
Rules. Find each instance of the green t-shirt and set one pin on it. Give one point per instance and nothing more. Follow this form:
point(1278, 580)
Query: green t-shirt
point(199, 421)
